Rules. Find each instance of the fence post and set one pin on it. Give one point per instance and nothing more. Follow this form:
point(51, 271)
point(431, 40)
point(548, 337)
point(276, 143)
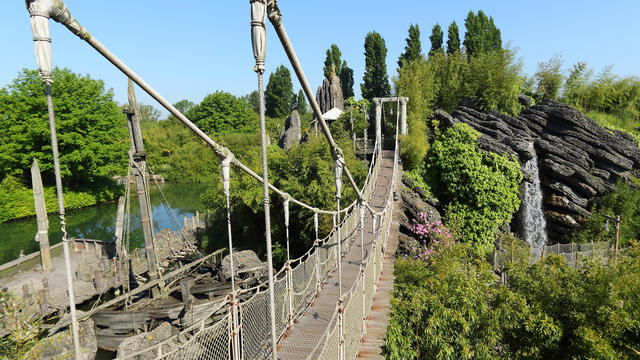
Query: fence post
point(617, 236)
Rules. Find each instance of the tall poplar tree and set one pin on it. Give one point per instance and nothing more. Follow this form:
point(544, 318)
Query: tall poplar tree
point(332, 59)
point(436, 39)
point(375, 80)
point(346, 80)
point(453, 41)
point(413, 49)
point(482, 34)
point(278, 95)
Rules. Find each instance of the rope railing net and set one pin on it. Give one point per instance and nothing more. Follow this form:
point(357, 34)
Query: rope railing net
point(573, 253)
point(211, 340)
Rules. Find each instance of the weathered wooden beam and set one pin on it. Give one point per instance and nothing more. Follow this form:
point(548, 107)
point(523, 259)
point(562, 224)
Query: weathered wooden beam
point(41, 216)
point(133, 292)
point(120, 226)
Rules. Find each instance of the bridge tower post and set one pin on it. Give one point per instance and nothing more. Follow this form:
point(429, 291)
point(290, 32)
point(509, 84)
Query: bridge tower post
point(139, 168)
point(403, 116)
point(378, 103)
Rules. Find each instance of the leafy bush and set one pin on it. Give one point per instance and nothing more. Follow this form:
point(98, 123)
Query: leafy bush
point(480, 189)
point(430, 236)
point(452, 307)
point(623, 201)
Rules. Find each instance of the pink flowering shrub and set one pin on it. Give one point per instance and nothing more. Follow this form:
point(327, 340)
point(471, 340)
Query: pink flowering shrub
point(430, 237)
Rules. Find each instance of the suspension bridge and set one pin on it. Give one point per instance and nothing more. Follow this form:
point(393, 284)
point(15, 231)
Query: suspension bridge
point(318, 305)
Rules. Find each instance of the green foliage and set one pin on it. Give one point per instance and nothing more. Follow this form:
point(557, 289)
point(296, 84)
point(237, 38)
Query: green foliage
point(301, 103)
point(148, 113)
point(436, 39)
point(493, 80)
point(413, 49)
point(354, 118)
point(17, 317)
point(253, 101)
point(279, 93)
point(609, 94)
point(185, 105)
point(623, 201)
point(453, 40)
point(480, 188)
point(452, 307)
point(16, 200)
point(346, 80)
point(222, 112)
point(375, 82)
point(549, 78)
point(449, 308)
point(92, 133)
point(482, 35)
point(596, 308)
point(332, 61)
point(305, 172)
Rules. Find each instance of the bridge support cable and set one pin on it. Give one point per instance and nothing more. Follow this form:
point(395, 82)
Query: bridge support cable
point(275, 17)
point(39, 13)
point(259, 42)
point(233, 302)
point(288, 265)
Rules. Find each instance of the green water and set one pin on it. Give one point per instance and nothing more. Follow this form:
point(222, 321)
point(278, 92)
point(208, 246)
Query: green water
point(98, 222)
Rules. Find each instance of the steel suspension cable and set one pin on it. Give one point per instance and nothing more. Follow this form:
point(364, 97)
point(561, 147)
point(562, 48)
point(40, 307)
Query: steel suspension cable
point(259, 40)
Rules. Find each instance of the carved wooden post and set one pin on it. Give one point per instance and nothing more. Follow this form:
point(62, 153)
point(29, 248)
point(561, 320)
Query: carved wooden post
point(41, 215)
point(403, 116)
point(378, 103)
point(120, 226)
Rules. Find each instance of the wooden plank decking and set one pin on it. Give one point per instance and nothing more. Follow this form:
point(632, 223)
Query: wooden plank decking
point(302, 339)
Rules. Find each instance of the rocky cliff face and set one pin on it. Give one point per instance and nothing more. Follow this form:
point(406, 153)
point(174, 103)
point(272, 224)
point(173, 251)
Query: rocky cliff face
point(329, 95)
point(578, 159)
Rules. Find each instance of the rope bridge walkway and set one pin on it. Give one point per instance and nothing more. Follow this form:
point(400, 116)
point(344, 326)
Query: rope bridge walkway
point(258, 322)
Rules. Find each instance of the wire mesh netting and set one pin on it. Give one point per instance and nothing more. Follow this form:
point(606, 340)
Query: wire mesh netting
point(211, 343)
point(353, 324)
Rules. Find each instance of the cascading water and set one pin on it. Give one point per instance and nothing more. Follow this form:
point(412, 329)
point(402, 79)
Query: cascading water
point(535, 226)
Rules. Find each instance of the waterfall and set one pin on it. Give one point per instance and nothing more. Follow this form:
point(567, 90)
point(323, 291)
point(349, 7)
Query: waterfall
point(535, 226)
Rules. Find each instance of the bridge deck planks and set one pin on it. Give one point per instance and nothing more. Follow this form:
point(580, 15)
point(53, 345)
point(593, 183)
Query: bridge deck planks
point(301, 340)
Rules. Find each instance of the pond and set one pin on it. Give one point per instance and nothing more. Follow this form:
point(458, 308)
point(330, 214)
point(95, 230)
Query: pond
point(98, 222)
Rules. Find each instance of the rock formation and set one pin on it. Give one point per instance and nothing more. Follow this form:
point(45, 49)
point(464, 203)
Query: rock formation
point(329, 95)
point(578, 159)
point(291, 133)
point(243, 261)
point(413, 203)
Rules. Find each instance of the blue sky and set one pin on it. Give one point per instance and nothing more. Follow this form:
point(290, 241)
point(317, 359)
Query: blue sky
point(188, 49)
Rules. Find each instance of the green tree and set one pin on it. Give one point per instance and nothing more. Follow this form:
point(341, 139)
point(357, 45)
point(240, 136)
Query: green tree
point(149, 113)
point(92, 132)
point(549, 78)
point(279, 93)
point(332, 59)
point(453, 40)
point(184, 105)
point(346, 80)
point(413, 49)
point(436, 39)
point(576, 84)
point(478, 188)
point(482, 35)
point(375, 80)
point(222, 112)
point(301, 103)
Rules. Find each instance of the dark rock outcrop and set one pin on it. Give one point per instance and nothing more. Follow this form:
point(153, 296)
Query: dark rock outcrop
point(329, 95)
point(413, 204)
point(578, 159)
point(291, 133)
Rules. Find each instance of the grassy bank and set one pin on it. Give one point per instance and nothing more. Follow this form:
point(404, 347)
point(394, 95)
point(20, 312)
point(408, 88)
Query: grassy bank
point(16, 200)
point(625, 123)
